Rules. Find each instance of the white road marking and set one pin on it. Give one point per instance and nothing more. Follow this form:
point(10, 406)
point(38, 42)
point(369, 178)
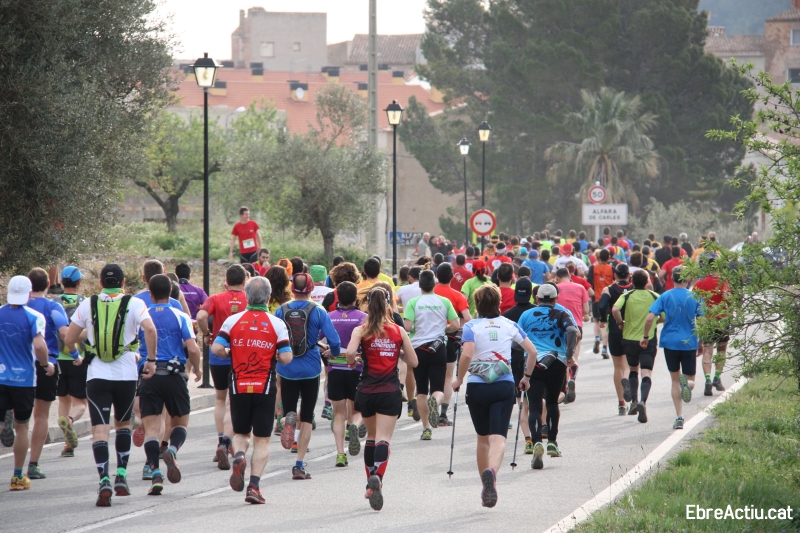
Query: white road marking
point(210, 492)
point(110, 521)
point(651, 462)
point(322, 457)
point(411, 426)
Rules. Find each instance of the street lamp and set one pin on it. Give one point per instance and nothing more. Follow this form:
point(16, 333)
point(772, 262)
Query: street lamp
point(240, 109)
point(463, 146)
point(205, 72)
point(484, 130)
point(394, 112)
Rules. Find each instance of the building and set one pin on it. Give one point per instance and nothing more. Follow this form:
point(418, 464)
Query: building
point(400, 52)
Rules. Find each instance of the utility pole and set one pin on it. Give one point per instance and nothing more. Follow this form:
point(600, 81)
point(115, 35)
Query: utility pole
point(372, 91)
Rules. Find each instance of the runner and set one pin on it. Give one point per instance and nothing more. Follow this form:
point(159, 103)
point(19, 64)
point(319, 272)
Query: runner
point(461, 273)
point(487, 343)
point(72, 372)
point(343, 379)
point(305, 322)
point(499, 258)
point(248, 235)
point(279, 280)
point(714, 292)
point(539, 271)
point(472, 284)
point(46, 385)
point(253, 355)
point(319, 274)
point(378, 397)
point(459, 301)
point(112, 373)
point(555, 336)
point(195, 296)
point(608, 298)
point(678, 338)
point(428, 318)
point(575, 298)
point(630, 312)
point(566, 257)
point(371, 271)
point(164, 382)
point(25, 351)
point(601, 275)
point(262, 264)
point(220, 307)
point(665, 274)
point(505, 278)
point(408, 292)
point(339, 273)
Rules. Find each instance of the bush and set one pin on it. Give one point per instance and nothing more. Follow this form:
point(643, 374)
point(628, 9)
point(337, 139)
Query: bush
point(682, 217)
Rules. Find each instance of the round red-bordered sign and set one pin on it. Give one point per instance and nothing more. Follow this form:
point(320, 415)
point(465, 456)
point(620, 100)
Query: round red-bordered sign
point(482, 222)
point(597, 194)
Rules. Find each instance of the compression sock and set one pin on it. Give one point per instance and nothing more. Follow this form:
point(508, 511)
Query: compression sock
point(220, 437)
point(535, 423)
point(708, 377)
point(573, 372)
point(369, 457)
point(633, 377)
point(151, 449)
point(254, 481)
point(444, 408)
point(381, 458)
point(177, 437)
point(717, 374)
point(646, 384)
point(298, 463)
point(226, 440)
point(622, 403)
point(17, 472)
point(296, 434)
point(100, 451)
point(122, 444)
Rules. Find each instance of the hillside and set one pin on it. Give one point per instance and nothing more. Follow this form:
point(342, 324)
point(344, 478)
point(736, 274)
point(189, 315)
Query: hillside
point(743, 16)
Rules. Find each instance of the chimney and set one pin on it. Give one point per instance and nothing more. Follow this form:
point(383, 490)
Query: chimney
point(220, 88)
point(257, 74)
point(398, 77)
point(299, 91)
point(241, 19)
point(333, 74)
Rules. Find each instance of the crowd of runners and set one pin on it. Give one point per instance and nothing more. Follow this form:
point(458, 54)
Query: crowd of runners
point(503, 326)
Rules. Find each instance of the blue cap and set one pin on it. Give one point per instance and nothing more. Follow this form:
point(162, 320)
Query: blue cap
point(533, 254)
point(72, 273)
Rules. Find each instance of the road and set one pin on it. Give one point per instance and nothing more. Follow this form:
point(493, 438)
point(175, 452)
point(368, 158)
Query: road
point(598, 446)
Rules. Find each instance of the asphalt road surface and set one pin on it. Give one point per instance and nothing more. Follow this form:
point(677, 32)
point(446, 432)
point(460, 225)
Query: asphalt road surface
point(598, 447)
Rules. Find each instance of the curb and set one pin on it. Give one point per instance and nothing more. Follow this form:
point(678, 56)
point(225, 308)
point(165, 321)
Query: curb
point(83, 427)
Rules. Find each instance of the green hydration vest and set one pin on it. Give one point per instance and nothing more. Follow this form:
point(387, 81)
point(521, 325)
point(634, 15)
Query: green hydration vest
point(108, 319)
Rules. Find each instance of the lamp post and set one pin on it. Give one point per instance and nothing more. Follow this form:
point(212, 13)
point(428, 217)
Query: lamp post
point(484, 130)
point(240, 109)
point(463, 146)
point(205, 72)
point(394, 112)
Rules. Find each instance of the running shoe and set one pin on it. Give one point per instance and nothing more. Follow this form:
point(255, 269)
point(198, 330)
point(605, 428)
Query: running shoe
point(621, 410)
point(222, 458)
point(626, 389)
point(279, 426)
point(633, 409)
point(444, 421)
point(528, 447)
point(327, 412)
point(7, 434)
point(570, 391)
point(237, 476)
point(171, 461)
point(294, 447)
point(104, 493)
point(433, 412)
point(375, 494)
point(34, 472)
point(67, 451)
point(147, 472)
point(489, 492)
point(299, 472)
point(355, 445)
point(552, 449)
point(412, 406)
point(254, 496)
point(678, 423)
point(341, 459)
point(426, 434)
point(313, 423)
point(538, 452)
point(362, 431)
point(596, 348)
point(604, 353)
point(707, 389)
point(287, 435)
point(686, 392)
point(718, 384)
point(642, 410)
point(138, 436)
point(161, 451)
point(158, 484)
point(121, 486)
point(20, 483)
point(70, 437)
point(346, 434)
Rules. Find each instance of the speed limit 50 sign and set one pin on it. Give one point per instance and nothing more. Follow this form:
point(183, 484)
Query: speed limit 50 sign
point(597, 194)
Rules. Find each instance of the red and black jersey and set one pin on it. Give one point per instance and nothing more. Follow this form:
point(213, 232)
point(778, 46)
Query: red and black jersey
point(380, 356)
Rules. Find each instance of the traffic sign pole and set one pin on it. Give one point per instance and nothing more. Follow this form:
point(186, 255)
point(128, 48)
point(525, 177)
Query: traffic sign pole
point(597, 195)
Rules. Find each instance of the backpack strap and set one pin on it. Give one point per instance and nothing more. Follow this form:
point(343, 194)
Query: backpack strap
point(119, 324)
point(95, 322)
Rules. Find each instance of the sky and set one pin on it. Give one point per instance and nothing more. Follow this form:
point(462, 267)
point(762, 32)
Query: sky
point(206, 25)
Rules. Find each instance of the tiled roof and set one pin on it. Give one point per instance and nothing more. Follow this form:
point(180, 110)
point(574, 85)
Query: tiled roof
point(242, 91)
point(397, 49)
point(786, 16)
point(735, 44)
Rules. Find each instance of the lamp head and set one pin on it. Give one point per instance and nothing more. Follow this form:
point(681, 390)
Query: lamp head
point(205, 71)
point(464, 146)
point(394, 112)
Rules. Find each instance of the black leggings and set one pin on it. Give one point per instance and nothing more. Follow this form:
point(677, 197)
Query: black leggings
point(432, 368)
point(293, 389)
point(490, 406)
point(549, 383)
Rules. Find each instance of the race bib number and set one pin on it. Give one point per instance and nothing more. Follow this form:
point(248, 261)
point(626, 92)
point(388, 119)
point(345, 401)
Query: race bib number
point(248, 243)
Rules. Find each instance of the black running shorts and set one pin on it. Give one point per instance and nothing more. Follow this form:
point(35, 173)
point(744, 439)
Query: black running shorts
point(72, 380)
point(453, 349)
point(103, 394)
point(638, 356)
point(46, 386)
point(379, 403)
point(681, 360)
point(615, 347)
point(596, 311)
point(431, 369)
point(252, 413)
point(517, 369)
point(293, 389)
point(342, 384)
point(490, 406)
point(220, 375)
point(19, 400)
point(161, 391)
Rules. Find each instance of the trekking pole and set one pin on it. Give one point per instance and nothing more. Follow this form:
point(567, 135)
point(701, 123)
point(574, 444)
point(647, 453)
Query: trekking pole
point(516, 439)
point(453, 437)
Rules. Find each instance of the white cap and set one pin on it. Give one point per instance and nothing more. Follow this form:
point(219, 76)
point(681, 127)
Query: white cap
point(524, 241)
point(19, 290)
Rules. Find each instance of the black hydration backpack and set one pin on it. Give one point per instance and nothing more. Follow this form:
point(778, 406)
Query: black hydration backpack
point(297, 323)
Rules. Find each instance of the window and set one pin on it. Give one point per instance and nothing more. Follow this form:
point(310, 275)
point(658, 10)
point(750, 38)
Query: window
point(295, 47)
point(795, 38)
point(794, 75)
point(267, 49)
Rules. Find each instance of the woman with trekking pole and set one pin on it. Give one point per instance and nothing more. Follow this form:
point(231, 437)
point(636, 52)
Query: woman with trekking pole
point(486, 355)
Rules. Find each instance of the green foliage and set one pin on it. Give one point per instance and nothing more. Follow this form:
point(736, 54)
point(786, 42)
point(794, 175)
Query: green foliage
point(77, 82)
point(743, 16)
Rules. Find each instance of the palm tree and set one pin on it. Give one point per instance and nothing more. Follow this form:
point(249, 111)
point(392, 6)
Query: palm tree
point(613, 147)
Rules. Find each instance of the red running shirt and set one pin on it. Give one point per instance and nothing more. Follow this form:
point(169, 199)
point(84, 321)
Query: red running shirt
point(223, 305)
point(380, 356)
point(247, 236)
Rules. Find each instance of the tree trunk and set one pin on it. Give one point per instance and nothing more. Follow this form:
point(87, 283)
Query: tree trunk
point(327, 240)
point(171, 210)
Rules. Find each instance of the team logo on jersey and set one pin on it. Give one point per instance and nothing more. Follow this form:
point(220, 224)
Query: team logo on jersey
point(234, 309)
point(492, 335)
